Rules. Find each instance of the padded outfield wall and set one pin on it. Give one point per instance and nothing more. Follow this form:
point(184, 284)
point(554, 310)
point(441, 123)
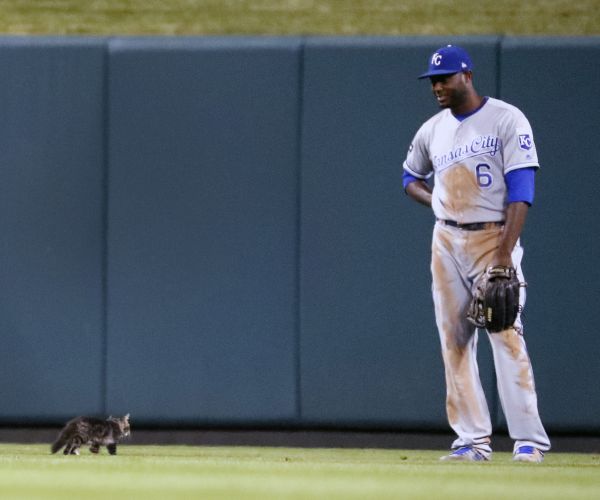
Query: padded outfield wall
point(212, 231)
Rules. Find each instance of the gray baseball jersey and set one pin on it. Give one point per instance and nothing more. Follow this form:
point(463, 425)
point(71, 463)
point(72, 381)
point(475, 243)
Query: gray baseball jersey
point(470, 158)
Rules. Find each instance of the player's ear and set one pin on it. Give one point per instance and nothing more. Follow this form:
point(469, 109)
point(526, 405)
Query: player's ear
point(467, 76)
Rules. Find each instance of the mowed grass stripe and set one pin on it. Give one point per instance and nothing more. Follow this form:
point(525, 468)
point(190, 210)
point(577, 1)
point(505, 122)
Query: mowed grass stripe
point(151, 472)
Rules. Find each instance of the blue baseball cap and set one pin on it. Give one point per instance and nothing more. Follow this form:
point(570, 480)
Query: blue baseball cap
point(448, 60)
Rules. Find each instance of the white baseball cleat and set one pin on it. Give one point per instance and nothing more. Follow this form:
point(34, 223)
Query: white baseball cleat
point(528, 454)
point(466, 454)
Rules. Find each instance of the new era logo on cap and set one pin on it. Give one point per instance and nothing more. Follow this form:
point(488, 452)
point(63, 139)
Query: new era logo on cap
point(447, 60)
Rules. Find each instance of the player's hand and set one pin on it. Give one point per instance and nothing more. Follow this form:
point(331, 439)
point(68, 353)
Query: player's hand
point(502, 259)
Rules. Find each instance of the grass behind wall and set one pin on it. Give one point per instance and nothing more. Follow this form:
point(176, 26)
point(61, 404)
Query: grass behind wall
point(293, 17)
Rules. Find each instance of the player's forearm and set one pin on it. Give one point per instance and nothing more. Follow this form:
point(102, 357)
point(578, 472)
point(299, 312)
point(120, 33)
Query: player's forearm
point(516, 213)
point(420, 191)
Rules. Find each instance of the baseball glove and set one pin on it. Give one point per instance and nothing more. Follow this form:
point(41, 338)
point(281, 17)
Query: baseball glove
point(495, 303)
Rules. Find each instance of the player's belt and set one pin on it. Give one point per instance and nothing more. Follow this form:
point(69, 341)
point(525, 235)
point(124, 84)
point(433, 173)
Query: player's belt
point(472, 226)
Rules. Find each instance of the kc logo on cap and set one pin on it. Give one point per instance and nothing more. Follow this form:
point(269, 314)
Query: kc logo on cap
point(436, 59)
point(448, 60)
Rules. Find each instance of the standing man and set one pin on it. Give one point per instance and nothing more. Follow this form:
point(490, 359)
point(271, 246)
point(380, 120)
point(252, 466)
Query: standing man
point(482, 154)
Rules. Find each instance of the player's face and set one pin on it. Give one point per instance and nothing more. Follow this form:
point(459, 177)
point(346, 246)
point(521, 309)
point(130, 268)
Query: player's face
point(450, 91)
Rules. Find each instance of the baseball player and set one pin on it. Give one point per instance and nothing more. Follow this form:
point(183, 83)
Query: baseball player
point(482, 154)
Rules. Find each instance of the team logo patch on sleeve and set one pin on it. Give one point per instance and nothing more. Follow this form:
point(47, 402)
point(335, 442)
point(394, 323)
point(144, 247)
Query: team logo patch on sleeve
point(525, 142)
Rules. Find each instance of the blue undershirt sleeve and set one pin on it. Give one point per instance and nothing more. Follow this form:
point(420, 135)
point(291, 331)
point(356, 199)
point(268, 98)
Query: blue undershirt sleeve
point(408, 178)
point(520, 185)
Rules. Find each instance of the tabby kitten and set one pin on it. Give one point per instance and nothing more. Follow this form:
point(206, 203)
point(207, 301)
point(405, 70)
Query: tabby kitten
point(93, 431)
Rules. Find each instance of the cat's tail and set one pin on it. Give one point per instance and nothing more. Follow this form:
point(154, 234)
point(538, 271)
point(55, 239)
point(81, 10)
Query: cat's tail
point(60, 442)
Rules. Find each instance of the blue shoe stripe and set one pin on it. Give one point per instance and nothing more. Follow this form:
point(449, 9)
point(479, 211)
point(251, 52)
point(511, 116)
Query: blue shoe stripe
point(526, 450)
point(462, 451)
point(477, 455)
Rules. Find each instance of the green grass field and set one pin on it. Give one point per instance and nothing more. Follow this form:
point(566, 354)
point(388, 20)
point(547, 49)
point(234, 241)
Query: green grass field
point(167, 472)
point(309, 17)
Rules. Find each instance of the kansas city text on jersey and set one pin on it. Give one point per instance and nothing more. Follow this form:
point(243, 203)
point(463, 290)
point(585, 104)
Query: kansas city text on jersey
point(480, 145)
